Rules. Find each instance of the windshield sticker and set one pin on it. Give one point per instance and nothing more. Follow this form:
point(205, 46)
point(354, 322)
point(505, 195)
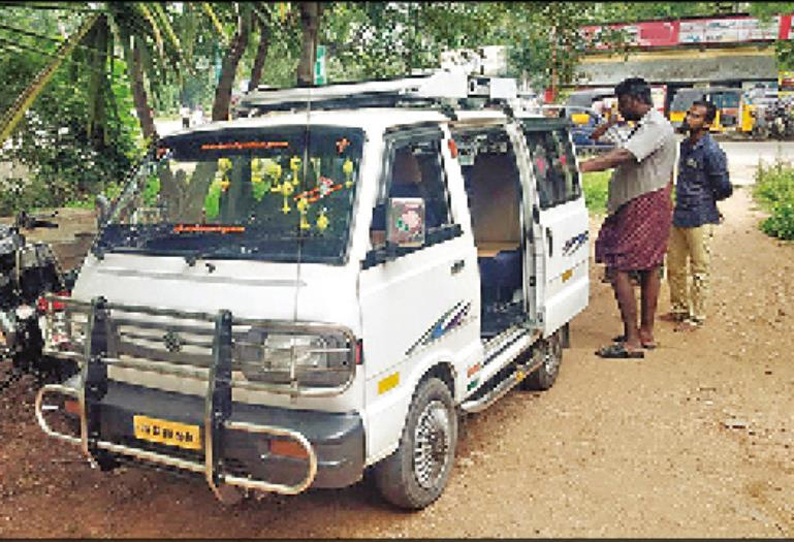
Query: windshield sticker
point(326, 186)
point(342, 144)
point(244, 145)
point(322, 220)
point(303, 207)
point(347, 169)
point(201, 228)
point(294, 166)
point(260, 184)
point(224, 166)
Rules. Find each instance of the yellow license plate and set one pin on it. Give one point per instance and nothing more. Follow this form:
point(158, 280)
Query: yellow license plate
point(166, 432)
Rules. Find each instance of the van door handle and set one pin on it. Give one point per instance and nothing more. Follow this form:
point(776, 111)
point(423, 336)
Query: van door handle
point(457, 267)
point(550, 241)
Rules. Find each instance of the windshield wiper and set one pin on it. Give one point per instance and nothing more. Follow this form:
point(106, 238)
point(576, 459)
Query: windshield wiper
point(231, 251)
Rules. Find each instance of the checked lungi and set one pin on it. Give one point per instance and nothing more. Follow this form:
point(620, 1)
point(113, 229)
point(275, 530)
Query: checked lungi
point(635, 237)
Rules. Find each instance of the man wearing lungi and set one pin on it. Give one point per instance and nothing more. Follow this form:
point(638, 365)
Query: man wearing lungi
point(635, 233)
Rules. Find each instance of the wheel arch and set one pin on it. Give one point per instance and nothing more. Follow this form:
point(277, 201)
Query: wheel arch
point(444, 371)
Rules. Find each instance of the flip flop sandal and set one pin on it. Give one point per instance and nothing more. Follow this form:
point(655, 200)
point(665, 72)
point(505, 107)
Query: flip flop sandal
point(673, 317)
point(618, 351)
point(622, 338)
point(687, 325)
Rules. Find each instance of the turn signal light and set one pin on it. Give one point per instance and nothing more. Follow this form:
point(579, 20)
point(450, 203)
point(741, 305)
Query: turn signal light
point(45, 306)
point(72, 406)
point(288, 448)
point(453, 148)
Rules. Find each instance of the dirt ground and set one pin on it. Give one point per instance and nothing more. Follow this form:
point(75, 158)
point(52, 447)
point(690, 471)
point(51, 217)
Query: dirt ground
point(696, 440)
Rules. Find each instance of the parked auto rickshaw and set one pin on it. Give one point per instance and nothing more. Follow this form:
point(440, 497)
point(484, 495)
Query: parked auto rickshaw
point(582, 102)
point(734, 113)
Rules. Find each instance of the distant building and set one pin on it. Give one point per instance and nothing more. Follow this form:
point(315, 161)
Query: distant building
point(732, 50)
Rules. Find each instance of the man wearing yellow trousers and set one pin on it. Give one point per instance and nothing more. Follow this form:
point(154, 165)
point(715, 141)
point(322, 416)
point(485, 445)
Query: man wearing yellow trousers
point(702, 181)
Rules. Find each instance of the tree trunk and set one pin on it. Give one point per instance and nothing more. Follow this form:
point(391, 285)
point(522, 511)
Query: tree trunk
point(261, 55)
point(223, 92)
point(310, 23)
point(140, 98)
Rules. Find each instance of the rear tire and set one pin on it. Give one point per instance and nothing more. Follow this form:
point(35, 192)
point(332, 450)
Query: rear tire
point(549, 353)
point(416, 474)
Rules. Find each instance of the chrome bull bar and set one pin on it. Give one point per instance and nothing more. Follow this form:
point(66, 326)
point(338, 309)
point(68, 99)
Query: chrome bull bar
point(92, 387)
point(207, 468)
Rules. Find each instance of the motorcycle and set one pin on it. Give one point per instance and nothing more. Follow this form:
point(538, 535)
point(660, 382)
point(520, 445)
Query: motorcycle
point(27, 272)
point(780, 121)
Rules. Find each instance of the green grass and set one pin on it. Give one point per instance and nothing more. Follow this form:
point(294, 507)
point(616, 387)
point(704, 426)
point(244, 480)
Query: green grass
point(596, 187)
point(774, 193)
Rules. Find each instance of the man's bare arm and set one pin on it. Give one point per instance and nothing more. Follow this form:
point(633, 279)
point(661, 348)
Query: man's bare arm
point(609, 160)
point(603, 127)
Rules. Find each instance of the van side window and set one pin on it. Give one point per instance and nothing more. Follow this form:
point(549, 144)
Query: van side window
point(415, 171)
point(554, 166)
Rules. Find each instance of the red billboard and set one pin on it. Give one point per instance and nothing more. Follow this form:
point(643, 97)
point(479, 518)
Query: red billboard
point(707, 30)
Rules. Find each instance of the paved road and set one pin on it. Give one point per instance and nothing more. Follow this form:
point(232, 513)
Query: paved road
point(743, 157)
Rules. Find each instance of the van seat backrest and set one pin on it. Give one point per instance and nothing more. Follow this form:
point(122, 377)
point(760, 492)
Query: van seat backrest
point(494, 200)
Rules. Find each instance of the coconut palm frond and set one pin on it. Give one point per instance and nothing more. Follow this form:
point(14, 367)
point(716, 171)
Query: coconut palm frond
point(17, 111)
point(155, 29)
point(167, 28)
point(215, 22)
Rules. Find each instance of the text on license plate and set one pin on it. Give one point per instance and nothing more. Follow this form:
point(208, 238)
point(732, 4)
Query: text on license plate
point(167, 432)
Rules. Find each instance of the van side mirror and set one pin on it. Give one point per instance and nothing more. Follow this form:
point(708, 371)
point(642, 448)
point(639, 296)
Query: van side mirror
point(405, 228)
point(405, 222)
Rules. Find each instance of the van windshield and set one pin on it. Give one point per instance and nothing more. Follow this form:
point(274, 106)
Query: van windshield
point(281, 194)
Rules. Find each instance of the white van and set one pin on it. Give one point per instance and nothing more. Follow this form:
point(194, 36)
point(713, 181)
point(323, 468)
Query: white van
point(285, 300)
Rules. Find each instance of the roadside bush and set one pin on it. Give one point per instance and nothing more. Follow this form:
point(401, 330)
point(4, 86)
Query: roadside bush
point(596, 186)
point(774, 192)
point(781, 223)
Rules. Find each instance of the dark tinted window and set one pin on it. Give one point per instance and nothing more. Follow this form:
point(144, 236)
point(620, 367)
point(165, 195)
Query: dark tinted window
point(554, 166)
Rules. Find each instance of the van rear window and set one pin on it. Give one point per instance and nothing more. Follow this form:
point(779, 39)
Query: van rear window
point(554, 165)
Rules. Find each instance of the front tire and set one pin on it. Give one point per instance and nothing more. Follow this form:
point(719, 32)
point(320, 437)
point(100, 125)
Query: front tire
point(417, 473)
point(549, 353)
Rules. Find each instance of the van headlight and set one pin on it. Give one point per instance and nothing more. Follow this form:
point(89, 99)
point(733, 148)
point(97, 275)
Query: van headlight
point(322, 360)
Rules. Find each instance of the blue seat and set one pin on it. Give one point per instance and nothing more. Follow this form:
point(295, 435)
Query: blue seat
point(500, 275)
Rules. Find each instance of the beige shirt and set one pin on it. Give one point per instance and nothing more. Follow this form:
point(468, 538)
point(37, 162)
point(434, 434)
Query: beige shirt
point(654, 147)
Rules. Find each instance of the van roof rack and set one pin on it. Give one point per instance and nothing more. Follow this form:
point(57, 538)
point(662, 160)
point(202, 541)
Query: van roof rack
point(443, 90)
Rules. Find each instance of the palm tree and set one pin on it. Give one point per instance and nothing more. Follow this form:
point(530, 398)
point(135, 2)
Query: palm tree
point(152, 51)
point(16, 112)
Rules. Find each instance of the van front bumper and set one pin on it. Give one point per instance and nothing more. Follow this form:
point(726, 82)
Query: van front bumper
point(331, 454)
point(253, 447)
